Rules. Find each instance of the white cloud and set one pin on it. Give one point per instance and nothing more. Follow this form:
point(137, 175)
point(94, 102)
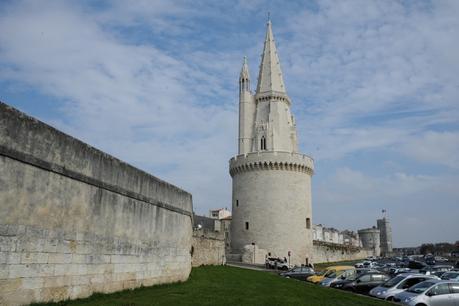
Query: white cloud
point(355, 200)
point(435, 148)
point(134, 101)
point(371, 66)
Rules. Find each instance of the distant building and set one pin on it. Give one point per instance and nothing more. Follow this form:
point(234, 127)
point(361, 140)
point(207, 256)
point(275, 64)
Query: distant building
point(226, 228)
point(332, 235)
point(220, 213)
point(406, 251)
point(206, 223)
point(351, 238)
point(211, 224)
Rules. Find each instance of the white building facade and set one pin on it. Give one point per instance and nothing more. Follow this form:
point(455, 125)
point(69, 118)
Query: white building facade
point(271, 205)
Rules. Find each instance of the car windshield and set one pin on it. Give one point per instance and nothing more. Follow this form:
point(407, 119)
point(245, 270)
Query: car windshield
point(329, 272)
point(393, 281)
point(450, 275)
point(332, 275)
point(296, 270)
point(421, 287)
point(351, 277)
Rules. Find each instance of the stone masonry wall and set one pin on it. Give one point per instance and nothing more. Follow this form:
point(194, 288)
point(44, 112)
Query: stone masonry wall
point(74, 220)
point(331, 252)
point(208, 248)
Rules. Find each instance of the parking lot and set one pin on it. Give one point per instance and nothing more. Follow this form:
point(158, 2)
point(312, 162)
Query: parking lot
point(414, 280)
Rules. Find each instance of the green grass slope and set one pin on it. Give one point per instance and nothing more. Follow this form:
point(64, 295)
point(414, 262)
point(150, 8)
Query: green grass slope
point(223, 285)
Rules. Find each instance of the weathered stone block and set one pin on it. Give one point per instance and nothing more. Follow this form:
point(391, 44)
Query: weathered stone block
point(60, 258)
point(12, 284)
point(56, 281)
point(32, 282)
point(8, 243)
point(29, 258)
point(14, 258)
point(4, 270)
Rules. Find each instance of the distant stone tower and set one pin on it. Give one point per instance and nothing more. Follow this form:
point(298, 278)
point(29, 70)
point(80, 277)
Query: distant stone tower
point(370, 238)
point(271, 180)
point(385, 234)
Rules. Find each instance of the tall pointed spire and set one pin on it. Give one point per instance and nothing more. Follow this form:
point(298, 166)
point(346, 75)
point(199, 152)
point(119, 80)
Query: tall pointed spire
point(270, 75)
point(245, 70)
point(244, 77)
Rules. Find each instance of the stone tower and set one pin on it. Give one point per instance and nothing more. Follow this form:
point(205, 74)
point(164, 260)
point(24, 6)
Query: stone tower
point(271, 179)
point(385, 234)
point(370, 238)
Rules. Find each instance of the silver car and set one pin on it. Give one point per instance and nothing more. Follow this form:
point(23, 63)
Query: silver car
point(451, 275)
point(339, 275)
point(431, 293)
point(398, 284)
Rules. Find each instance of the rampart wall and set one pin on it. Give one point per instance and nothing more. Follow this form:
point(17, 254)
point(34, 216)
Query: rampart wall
point(332, 252)
point(74, 220)
point(208, 248)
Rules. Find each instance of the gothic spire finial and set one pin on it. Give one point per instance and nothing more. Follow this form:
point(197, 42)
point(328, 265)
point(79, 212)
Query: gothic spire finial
point(244, 70)
point(270, 74)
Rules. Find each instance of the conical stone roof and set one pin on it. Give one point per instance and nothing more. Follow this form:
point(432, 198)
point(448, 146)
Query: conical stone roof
point(270, 75)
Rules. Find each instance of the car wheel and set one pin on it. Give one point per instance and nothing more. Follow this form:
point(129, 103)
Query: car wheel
point(391, 298)
point(421, 305)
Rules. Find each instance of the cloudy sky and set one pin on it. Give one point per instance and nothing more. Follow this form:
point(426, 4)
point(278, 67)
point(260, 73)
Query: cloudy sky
point(374, 85)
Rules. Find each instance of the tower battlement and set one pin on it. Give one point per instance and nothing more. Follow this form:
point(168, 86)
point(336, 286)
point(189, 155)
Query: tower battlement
point(273, 160)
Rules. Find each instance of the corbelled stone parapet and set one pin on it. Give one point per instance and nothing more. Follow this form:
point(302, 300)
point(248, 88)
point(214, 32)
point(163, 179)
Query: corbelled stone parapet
point(273, 95)
point(271, 160)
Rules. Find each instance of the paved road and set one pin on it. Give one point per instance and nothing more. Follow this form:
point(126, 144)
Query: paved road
point(250, 266)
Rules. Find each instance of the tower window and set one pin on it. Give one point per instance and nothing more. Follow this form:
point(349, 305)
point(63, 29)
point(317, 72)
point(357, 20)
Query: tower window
point(263, 143)
point(237, 203)
point(308, 223)
point(247, 225)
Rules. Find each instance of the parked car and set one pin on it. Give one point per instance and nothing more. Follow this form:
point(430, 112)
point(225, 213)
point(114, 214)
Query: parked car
point(300, 273)
point(430, 293)
point(365, 282)
point(360, 271)
point(436, 270)
point(368, 264)
point(398, 270)
point(441, 259)
point(450, 275)
point(413, 264)
point(327, 271)
point(283, 265)
point(270, 262)
point(276, 263)
point(338, 284)
point(398, 284)
point(341, 282)
point(430, 260)
point(339, 275)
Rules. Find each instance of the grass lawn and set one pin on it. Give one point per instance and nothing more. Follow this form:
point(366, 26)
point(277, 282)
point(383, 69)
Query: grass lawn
point(224, 285)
